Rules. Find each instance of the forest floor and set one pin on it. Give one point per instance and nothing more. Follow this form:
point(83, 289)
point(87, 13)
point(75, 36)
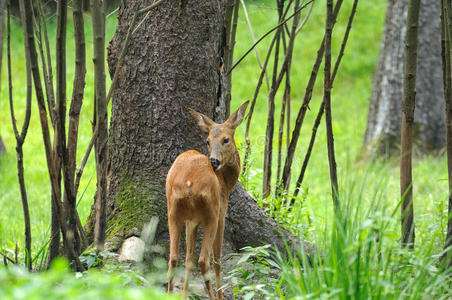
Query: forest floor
point(361, 183)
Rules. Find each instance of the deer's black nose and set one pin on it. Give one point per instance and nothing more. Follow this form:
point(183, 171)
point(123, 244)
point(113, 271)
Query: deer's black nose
point(215, 163)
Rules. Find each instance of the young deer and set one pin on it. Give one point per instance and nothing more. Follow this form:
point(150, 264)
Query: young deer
point(197, 192)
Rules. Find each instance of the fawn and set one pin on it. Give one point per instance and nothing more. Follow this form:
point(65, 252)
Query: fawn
point(197, 192)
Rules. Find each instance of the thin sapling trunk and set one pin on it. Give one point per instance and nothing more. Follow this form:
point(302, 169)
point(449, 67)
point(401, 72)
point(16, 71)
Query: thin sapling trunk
point(408, 101)
point(98, 19)
point(20, 136)
point(327, 100)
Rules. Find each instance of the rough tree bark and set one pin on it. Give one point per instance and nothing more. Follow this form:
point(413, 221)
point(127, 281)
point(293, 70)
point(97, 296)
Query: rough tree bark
point(385, 108)
point(174, 62)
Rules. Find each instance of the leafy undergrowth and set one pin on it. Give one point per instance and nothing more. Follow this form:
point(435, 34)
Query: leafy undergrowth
point(256, 274)
point(362, 259)
point(359, 257)
point(61, 283)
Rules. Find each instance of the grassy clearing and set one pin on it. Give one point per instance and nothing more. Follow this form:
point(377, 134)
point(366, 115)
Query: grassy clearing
point(363, 184)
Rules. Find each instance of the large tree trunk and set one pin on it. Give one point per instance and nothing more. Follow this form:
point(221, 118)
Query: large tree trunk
point(173, 63)
point(385, 109)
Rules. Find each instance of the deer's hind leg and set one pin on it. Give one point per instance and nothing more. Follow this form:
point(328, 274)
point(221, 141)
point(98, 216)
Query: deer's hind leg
point(190, 232)
point(210, 230)
point(175, 229)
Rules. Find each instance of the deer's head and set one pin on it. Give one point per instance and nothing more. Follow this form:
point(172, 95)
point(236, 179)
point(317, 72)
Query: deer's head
point(220, 141)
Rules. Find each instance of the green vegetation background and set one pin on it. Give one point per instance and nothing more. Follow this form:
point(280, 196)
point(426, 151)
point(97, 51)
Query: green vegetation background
point(371, 183)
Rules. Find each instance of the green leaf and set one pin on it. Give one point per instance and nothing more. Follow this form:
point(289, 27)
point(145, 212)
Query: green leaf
point(244, 258)
point(248, 296)
point(273, 263)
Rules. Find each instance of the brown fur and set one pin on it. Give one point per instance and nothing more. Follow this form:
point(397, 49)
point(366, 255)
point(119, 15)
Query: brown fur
point(198, 195)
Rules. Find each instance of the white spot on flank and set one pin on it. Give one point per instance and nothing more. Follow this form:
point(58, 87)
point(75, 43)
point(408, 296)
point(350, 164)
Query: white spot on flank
point(201, 121)
point(188, 183)
point(174, 193)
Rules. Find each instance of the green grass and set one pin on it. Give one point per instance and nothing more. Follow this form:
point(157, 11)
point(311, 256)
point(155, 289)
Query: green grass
point(358, 255)
point(363, 184)
point(360, 260)
point(60, 283)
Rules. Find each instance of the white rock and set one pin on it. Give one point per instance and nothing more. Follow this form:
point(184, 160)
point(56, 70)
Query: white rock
point(132, 249)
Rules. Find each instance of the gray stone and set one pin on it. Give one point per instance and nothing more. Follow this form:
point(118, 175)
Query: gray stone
point(132, 250)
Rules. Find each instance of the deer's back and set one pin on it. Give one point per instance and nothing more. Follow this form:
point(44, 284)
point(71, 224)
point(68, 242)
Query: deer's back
point(191, 182)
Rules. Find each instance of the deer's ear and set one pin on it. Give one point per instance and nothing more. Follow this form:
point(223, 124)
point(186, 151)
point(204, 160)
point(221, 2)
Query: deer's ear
point(236, 118)
point(203, 121)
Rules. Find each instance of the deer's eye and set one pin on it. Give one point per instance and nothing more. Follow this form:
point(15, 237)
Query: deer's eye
point(207, 142)
point(225, 141)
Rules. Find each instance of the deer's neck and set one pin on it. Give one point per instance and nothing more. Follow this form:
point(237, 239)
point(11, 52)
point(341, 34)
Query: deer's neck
point(229, 173)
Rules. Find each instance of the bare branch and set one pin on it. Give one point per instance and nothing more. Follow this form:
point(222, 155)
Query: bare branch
point(253, 38)
point(277, 79)
point(46, 134)
point(150, 7)
point(305, 105)
point(40, 26)
point(284, 21)
point(256, 93)
point(47, 64)
point(5, 257)
point(253, 103)
point(98, 19)
point(322, 106)
point(74, 112)
point(327, 99)
point(305, 18)
point(21, 138)
point(408, 106)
